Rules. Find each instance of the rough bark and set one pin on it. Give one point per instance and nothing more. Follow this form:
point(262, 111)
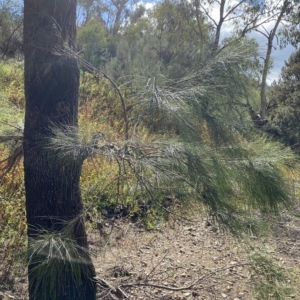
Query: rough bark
point(53, 197)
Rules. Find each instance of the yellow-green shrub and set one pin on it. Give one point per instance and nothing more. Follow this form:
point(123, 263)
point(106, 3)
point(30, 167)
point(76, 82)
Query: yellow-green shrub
point(11, 82)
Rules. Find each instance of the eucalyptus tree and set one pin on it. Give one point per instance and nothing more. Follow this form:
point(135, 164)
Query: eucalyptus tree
point(85, 8)
point(235, 18)
point(281, 11)
point(166, 36)
point(111, 12)
point(59, 265)
point(92, 9)
point(290, 32)
point(120, 9)
point(245, 17)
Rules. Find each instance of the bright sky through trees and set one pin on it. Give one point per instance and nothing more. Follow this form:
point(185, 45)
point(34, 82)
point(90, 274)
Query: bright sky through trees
point(279, 55)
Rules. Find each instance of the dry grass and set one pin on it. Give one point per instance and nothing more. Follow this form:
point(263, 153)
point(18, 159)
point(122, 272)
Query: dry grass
point(190, 260)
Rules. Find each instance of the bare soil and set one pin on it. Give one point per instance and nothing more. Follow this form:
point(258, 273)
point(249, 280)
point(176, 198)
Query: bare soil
point(180, 261)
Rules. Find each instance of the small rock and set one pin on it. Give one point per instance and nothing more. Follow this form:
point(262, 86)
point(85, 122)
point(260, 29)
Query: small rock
point(144, 264)
point(223, 295)
point(186, 294)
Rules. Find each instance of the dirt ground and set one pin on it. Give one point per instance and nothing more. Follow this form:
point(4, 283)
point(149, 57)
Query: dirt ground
point(181, 261)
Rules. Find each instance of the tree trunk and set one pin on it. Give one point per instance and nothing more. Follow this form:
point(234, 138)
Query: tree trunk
point(263, 98)
point(53, 198)
point(120, 6)
point(219, 27)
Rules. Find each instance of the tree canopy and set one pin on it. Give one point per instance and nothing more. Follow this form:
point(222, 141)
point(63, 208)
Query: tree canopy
point(285, 96)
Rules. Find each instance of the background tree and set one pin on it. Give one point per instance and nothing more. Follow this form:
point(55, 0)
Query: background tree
point(93, 43)
point(59, 264)
point(286, 102)
point(168, 35)
point(280, 10)
point(245, 17)
point(85, 8)
point(289, 33)
point(120, 9)
point(111, 12)
point(94, 9)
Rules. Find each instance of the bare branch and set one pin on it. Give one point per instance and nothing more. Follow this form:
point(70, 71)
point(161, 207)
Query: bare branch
point(10, 125)
point(6, 138)
point(208, 15)
point(233, 8)
point(192, 285)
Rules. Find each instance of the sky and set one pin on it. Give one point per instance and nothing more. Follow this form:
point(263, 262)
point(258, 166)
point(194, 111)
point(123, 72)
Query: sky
point(279, 55)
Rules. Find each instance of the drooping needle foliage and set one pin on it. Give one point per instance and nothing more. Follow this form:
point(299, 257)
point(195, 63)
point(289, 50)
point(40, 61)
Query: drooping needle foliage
point(200, 143)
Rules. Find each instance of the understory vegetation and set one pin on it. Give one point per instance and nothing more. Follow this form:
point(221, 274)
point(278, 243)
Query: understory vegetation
point(114, 189)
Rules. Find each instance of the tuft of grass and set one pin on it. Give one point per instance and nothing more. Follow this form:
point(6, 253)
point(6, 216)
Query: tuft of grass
point(269, 280)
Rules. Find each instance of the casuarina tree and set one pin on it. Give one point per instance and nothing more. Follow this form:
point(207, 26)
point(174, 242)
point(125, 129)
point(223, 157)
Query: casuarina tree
point(59, 264)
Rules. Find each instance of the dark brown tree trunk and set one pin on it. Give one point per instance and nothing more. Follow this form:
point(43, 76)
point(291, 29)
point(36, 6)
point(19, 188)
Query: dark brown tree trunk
point(53, 198)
